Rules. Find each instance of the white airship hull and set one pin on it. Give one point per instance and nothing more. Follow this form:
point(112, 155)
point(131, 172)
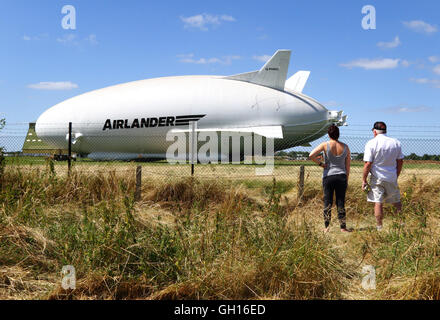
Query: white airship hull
point(135, 117)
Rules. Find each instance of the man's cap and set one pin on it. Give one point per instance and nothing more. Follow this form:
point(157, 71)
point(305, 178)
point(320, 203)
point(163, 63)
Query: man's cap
point(379, 125)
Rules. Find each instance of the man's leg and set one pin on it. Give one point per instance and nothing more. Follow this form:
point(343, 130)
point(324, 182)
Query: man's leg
point(378, 213)
point(377, 195)
point(392, 189)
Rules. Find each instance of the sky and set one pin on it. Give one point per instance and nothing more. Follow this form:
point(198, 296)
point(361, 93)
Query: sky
point(390, 73)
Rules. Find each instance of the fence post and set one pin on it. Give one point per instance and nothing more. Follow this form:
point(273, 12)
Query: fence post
point(193, 145)
point(137, 194)
point(69, 159)
point(301, 183)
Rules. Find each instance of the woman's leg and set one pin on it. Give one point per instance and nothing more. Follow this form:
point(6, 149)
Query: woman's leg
point(328, 187)
point(341, 190)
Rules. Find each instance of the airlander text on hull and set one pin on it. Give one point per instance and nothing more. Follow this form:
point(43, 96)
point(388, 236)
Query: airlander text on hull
point(168, 121)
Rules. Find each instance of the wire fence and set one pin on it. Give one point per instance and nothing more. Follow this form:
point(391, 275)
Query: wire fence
point(122, 151)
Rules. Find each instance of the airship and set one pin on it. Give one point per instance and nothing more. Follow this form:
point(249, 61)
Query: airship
point(132, 120)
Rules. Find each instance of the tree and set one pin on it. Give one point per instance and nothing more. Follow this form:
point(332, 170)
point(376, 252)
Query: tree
point(413, 156)
point(281, 154)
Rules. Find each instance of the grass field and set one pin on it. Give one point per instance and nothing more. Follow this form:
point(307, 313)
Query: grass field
point(239, 237)
point(283, 170)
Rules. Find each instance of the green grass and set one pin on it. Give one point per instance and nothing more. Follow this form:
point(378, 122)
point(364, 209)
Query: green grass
point(29, 160)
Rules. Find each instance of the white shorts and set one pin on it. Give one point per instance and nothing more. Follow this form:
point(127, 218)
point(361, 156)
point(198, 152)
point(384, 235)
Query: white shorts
point(383, 191)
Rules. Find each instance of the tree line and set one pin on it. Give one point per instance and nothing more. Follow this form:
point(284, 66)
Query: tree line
point(357, 156)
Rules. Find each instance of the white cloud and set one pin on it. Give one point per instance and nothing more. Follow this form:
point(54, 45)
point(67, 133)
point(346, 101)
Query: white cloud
point(332, 104)
point(36, 38)
point(229, 59)
point(389, 45)
point(263, 37)
point(406, 109)
point(420, 80)
point(437, 69)
point(62, 85)
point(405, 63)
point(264, 58)
point(202, 21)
point(68, 40)
point(225, 17)
point(372, 64)
point(434, 59)
point(434, 82)
point(420, 26)
point(72, 40)
point(189, 58)
point(92, 39)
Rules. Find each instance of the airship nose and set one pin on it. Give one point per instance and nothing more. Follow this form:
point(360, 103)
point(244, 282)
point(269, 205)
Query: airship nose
point(51, 128)
point(39, 124)
point(43, 123)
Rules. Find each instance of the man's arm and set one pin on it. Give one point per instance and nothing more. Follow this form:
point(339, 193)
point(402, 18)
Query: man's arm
point(399, 166)
point(369, 152)
point(367, 168)
point(399, 159)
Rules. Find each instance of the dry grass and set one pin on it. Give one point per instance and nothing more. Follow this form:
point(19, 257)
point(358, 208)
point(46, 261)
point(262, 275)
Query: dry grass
point(208, 239)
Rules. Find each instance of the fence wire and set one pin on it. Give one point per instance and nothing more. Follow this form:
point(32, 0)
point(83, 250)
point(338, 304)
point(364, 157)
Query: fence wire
point(121, 151)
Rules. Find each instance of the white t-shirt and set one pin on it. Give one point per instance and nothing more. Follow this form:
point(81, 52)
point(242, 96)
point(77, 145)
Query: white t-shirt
point(383, 152)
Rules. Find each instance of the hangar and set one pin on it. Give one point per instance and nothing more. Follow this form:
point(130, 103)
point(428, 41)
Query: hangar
point(34, 146)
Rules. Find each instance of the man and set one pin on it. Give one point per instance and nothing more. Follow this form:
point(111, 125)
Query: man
point(383, 160)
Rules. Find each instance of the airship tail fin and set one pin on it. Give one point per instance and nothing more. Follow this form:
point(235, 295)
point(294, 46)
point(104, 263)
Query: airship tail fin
point(273, 74)
point(297, 82)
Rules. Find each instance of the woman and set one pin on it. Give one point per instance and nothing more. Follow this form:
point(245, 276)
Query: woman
point(336, 173)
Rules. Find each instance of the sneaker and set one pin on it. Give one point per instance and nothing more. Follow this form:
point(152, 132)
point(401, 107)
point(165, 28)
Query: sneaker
point(379, 228)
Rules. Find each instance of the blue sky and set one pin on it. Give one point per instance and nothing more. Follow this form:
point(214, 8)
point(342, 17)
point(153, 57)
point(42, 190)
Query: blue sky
point(391, 73)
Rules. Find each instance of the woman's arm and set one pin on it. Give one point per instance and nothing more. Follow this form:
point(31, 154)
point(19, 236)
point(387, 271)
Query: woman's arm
point(315, 152)
point(348, 162)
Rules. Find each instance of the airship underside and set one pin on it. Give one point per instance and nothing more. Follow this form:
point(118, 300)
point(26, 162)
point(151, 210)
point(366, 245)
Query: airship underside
point(134, 118)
